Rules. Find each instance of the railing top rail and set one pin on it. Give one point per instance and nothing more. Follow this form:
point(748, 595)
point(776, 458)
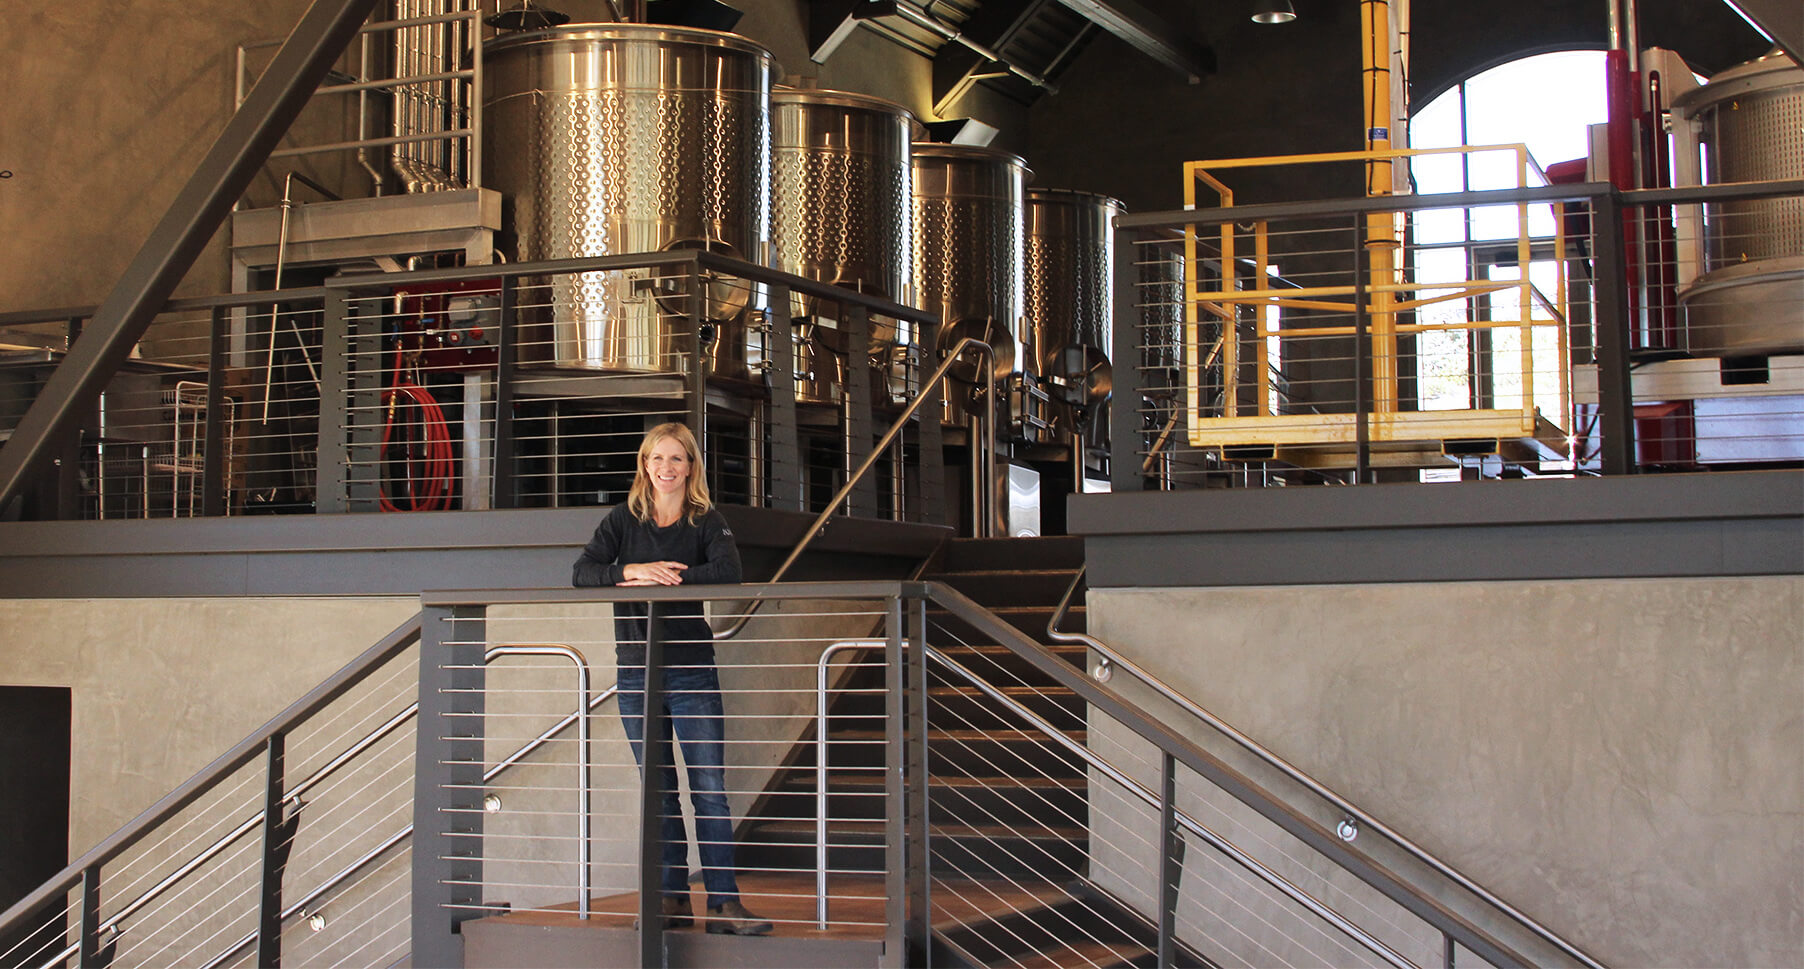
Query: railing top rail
point(691, 258)
point(686, 258)
point(1236, 784)
point(1274, 211)
point(186, 304)
point(242, 753)
point(760, 591)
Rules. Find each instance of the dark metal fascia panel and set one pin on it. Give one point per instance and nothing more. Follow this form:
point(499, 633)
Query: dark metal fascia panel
point(1668, 549)
point(1634, 527)
point(1681, 497)
point(376, 555)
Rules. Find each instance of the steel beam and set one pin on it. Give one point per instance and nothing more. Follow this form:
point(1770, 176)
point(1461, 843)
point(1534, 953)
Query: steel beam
point(1146, 32)
point(184, 231)
point(1782, 20)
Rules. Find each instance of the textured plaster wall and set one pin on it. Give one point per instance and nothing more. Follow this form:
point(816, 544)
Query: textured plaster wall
point(1622, 759)
point(161, 687)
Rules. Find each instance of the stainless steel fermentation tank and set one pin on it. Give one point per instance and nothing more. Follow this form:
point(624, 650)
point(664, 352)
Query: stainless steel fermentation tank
point(969, 253)
point(840, 213)
point(1749, 299)
point(608, 139)
point(1069, 297)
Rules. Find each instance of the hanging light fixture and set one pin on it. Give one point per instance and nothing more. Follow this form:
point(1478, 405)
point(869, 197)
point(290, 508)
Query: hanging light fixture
point(1273, 12)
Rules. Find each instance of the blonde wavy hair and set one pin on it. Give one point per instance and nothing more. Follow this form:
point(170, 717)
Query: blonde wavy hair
point(696, 500)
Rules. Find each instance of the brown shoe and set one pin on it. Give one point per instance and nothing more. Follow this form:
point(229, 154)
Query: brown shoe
point(733, 919)
point(678, 913)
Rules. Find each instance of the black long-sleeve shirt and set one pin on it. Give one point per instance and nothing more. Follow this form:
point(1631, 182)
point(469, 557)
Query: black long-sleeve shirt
point(706, 546)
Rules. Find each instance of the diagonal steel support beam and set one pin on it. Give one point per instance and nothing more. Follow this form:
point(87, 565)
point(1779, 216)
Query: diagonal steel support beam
point(1783, 21)
point(1149, 34)
point(184, 231)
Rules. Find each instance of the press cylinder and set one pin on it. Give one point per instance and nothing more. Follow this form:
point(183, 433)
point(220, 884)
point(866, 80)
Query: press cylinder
point(609, 139)
point(841, 214)
point(1749, 299)
point(1070, 294)
point(969, 254)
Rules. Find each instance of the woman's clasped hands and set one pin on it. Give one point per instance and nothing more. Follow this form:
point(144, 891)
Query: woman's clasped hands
point(652, 573)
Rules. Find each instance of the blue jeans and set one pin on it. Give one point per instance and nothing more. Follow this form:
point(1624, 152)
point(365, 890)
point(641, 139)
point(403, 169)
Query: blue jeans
point(692, 706)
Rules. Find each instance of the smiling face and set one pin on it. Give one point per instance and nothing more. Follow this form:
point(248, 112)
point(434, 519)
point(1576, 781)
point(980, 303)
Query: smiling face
point(667, 468)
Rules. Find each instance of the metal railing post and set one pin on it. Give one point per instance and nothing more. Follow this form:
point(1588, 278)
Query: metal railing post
point(856, 398)
point(507, 337)
point(652, 754)
point(895, 829)
point(92, 956)
point(1129, 355)
point(448, 781)
point(278, 839)
point(213, 460)
point(920, 856)
point(332, 481)
point(696, 380)
point(1170, 861)
point(1615, 397)
point(783, 488)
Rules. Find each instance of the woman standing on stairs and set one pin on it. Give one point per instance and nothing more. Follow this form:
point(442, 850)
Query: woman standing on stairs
point(669, 533)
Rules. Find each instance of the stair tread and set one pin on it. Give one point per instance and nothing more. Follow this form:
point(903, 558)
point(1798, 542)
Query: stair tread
point(878, 828)
point(998, 734)
point(875, 777)
point(1080, 953)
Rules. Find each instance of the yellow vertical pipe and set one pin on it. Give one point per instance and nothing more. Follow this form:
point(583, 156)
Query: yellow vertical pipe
point(1262, 314)
point(1526, 295)
point(1193, 367)
point(1381, 238)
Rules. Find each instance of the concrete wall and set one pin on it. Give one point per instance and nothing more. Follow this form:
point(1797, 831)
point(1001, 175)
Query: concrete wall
point(1618, 758)
point(161, 687)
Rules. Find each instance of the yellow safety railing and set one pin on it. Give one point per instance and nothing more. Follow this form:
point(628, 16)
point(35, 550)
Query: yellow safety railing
point(1384, 293)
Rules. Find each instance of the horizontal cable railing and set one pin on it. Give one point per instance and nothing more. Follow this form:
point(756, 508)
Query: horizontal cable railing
point(1547, 330)
point(193, 874)
point(1031, 815)
point(506, 386)
point(1038, 817)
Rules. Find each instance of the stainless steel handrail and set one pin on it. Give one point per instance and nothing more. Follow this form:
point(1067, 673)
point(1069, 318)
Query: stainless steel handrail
point(582, 754)
point(983, 460)
point(820, 770)
point(1112, 658)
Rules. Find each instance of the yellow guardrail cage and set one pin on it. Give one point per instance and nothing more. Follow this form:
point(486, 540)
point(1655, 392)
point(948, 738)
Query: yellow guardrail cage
point(1527, 400)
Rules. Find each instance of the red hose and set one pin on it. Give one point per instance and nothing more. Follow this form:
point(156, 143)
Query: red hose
point(429, 477)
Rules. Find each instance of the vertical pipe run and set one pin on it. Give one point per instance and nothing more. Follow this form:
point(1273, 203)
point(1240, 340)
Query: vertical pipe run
point(1382, 241)
point(1362, 401)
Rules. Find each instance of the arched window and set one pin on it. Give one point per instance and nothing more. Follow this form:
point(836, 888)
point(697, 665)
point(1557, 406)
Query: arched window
point(1547, 102)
